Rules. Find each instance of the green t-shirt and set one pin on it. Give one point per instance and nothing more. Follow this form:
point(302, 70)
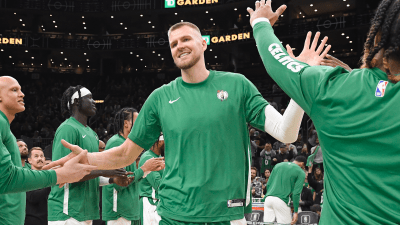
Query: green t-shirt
point(121, 201)
point(15, 180)
point(355, 115)
point(266, 161)
point(77, 200)
point(206, 145)
point(27, 165)
point(152, 181)
point(286, 182)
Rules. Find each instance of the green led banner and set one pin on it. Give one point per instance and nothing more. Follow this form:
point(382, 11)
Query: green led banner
point(206, 38)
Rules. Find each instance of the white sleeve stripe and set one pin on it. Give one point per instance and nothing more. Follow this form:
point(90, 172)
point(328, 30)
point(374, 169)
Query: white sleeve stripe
point(262, 19)
point(284, 128)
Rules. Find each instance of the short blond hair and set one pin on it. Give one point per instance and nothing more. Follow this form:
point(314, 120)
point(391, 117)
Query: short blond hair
point(181, 24)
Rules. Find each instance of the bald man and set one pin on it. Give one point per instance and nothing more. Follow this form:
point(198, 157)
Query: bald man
point(14, 180)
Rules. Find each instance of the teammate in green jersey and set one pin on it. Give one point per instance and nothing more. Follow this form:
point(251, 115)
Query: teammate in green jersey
point(284, 184)
point(78, 202)
point(148, 187)
point(14, 180)
point(355, 114)
point(203, 116)
point(121, 204)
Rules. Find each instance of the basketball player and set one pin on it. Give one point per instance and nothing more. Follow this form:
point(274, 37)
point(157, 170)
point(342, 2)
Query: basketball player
point(355, 113)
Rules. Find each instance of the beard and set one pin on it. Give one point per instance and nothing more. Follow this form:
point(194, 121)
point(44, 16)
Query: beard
point(187, 65)
point(24, 155)
point(162, 150)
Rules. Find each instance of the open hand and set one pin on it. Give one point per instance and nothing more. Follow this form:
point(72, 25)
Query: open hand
point(264, 10)
point(309, 55)
point(73, 171)
point(76, 150)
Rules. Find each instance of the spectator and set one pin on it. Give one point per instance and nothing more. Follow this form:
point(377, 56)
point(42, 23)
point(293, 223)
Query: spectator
point(299, 143)
point(317, 209)
point(306, 197)
point(23, 150)
point(256, 185)
point(36, 201)
point(284, 155)
point(267, 174)
point(255, 144)
point(316, 157)
point(304, 151)
point(266, 157)
point(316, 181)
point(312, 136)
point(292, 148)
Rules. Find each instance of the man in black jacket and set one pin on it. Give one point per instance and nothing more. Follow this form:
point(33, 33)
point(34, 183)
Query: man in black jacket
point(306, 199)
point(36, 201)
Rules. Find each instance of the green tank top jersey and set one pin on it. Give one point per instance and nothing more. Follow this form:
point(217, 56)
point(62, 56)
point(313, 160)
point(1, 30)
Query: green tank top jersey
point(286, 182)
point(77, 200)
point(206, 145)
point(120, 201)
point(152, 181)
point(16, 180)
point(356, 116)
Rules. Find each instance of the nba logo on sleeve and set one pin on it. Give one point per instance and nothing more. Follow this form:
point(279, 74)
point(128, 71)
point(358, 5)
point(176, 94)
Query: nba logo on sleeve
point(380, 88)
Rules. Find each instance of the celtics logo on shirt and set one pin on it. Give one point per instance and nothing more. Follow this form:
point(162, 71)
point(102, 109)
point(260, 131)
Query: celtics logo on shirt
point(222, 95)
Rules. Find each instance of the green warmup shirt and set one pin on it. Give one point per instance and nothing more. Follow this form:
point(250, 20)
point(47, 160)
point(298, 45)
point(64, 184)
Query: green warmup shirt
point(121, 201)
point(286, 182)
point(207, 145)
point(356, 117)
point(15, 180)
point(148, 187)
point(266, 161)
point(27, 165)
point(78, 200)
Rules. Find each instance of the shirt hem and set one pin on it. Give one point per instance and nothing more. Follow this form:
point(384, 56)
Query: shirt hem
point(207, 219)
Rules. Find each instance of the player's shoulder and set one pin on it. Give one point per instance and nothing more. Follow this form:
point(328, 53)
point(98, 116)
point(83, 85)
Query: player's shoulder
point(4, 124)
point(145, 156)
point(66, 126)
point(228, 75)
point(114, 141)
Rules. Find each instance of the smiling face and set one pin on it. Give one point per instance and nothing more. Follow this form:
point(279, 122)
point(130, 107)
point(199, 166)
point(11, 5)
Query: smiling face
point(11, 96)
point(187, 47)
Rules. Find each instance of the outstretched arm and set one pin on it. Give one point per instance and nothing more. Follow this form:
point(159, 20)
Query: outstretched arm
point(296, 78)
point(113, 158)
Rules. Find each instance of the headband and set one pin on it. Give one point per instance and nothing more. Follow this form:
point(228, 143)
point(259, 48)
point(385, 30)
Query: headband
point(84, 92)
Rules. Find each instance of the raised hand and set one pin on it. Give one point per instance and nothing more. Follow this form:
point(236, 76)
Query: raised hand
point(334, 62)
point(309, 55)
point(263, 10)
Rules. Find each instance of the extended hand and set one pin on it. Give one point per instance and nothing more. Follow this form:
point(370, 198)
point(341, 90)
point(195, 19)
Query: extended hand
point(309, 55)
point(153, 164)
point(73, 171)
point(264, 10)
point(115, 173)
point(123, 181)
point(76, 150)
point(334, 62)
